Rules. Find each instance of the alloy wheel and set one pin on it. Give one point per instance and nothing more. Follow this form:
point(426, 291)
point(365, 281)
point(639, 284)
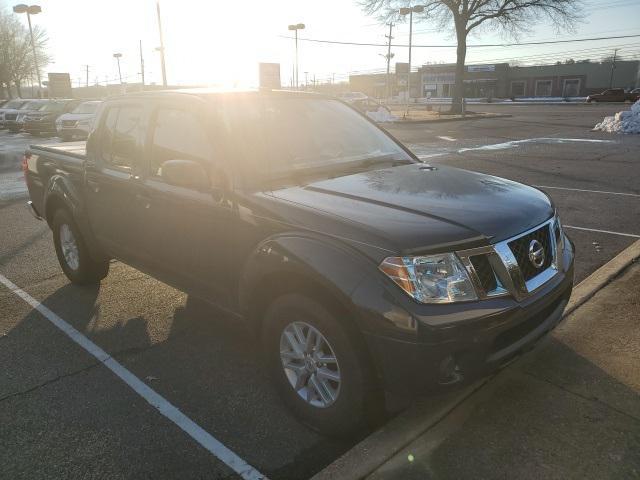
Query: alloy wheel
point(69, 247)
point(310, 364)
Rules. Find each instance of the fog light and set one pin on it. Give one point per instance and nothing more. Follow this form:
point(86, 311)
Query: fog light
point(449, 371)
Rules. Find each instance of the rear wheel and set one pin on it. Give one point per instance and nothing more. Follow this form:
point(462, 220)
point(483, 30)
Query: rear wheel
point(66, 138)
point(320, 372)
point(72, 252)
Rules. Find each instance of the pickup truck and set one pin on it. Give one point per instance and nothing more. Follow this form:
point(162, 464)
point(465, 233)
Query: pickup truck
point(361, 269)
point(614, 95)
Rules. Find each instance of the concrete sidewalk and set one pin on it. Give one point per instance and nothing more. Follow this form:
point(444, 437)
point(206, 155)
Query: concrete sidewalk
point(571, 409)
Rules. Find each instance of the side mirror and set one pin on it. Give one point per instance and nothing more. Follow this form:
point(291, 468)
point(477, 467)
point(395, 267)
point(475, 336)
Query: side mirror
point(185, 173)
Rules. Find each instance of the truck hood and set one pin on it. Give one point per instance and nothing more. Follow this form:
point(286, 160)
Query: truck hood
point(419, 208)
point(76, 116)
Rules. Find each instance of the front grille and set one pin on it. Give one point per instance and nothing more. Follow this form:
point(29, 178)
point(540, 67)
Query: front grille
point(485, 272)
point(520, 249)
point(68, 123)
point(10, 116)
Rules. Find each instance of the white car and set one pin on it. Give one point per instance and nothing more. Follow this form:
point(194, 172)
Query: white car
point(79, 122)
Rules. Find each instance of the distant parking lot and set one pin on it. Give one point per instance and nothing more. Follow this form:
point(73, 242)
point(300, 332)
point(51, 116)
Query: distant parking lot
point(63, 415)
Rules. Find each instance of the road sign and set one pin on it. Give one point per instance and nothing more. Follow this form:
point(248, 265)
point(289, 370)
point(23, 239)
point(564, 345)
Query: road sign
point(270, 75)
point(59, 85)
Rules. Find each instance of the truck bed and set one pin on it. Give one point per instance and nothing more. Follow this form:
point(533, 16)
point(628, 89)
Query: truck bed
point(67, 149)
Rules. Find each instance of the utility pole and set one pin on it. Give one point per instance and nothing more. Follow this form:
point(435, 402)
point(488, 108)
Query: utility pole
point(613, 67)
point(87, 73)
point(162, 62)
point(389, 61)
point(141, 65)
point(306, 80)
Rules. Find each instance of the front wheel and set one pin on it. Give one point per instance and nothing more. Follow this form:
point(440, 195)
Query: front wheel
point(319, 370)
point(72, 252)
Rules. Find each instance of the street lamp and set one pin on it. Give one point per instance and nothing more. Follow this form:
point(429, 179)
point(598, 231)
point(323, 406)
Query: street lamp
point(410, 11)
point(295, 28)
point(118, 56)
point(31, 10)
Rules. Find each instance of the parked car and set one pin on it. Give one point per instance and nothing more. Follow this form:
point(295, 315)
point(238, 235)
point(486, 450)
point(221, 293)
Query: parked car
point(44, 119)
point(77, 123)
point(364, 103)
point(613, 95)
point(14, 119)
point(10, 106)
point(359, 268)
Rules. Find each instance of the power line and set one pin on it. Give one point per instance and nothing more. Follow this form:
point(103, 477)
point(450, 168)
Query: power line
point(336, 42)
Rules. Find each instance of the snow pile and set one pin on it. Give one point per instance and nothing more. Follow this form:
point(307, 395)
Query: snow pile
point(382, 115)
point(627, 121)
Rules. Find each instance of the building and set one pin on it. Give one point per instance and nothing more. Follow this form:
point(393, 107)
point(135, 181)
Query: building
point(574, 79)
point(571, 79)
point(438, 80)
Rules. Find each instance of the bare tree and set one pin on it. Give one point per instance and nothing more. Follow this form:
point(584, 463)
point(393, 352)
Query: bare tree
point(507, 16)
point(17, 63)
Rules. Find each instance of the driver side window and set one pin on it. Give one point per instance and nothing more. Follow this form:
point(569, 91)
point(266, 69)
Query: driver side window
point(178, 135)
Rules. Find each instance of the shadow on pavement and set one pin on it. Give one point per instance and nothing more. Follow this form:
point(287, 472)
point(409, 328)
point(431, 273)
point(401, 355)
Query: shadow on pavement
point(204, 362)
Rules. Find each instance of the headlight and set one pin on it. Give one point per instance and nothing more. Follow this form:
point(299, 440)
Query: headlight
point(431, 278)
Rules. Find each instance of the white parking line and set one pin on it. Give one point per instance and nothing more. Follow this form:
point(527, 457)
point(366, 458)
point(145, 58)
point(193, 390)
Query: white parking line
point(602, 231)
point(154, 399)
point(448, 139)
point(589, 191)
point(542, 140)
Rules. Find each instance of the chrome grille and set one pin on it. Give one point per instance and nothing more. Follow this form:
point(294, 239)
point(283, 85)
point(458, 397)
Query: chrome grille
point(485, 273)
point(520, 249)
point(504, 268)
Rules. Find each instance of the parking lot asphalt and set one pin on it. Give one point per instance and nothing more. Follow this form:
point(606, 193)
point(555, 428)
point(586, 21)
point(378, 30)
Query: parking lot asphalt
point(63, 415)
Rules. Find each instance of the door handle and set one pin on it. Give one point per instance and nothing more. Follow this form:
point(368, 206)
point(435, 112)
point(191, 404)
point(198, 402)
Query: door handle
point(93, 185)
point(144, 200)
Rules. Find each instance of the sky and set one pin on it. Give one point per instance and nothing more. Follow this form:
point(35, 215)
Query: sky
point(218, 42)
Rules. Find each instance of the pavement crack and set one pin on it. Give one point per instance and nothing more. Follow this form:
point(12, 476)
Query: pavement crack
point(49, 382)
point(589, 399)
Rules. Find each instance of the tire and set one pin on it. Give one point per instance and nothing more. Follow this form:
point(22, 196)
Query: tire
point(355, 400)
point(66, 138)
point(77, 263)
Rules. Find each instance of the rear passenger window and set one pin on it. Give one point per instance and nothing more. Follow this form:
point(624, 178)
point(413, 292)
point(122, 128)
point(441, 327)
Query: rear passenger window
point(178, 135)
point(120, 136)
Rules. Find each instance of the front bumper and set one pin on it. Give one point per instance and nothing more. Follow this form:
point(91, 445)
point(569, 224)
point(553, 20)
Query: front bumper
point(440, 345)
point(39, 126)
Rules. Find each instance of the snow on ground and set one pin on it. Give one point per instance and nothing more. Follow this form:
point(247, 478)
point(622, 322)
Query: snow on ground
point(382, 115)
point(627, 121)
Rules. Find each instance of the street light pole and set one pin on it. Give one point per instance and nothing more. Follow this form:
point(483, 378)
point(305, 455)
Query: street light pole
point(117, 56)
point(295, 28)
point(161, 47)
point(410, 11)
point(31, 10)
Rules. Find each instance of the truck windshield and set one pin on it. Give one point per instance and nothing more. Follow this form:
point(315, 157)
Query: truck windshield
point(14, 104)
point(299, 135)
point(51, 107)
point(88, 108)
point(32, 105)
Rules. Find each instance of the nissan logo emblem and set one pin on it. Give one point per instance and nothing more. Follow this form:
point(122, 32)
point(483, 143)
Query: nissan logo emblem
point(536, 253)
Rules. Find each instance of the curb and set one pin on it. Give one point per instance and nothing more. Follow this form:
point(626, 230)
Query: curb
point(445, 120)
point(383, 444)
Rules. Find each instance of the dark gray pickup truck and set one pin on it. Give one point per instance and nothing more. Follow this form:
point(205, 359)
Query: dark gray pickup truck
point(361, 269)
